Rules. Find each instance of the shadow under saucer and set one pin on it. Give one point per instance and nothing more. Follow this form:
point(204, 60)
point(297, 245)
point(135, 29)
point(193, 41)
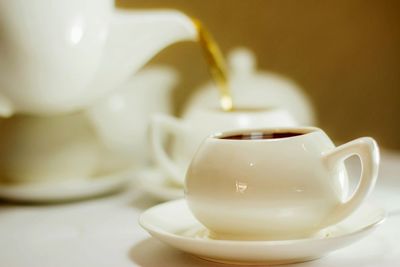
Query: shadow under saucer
point(153, 253)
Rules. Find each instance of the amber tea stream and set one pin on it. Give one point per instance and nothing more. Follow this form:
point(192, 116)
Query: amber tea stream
point(216, 64)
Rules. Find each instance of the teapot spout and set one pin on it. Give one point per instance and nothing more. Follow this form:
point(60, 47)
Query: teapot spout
point(134, 38)
point(155, 30)
point(148, 32)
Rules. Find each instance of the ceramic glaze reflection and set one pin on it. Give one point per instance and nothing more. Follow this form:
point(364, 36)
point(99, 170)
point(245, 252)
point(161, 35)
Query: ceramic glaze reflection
point(76, 31)
point(241, 187)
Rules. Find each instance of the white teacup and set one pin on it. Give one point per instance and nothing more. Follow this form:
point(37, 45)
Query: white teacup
point(253, 185)
point(194, 127)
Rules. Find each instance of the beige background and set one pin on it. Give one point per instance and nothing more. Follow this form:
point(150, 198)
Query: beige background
point(345, 54)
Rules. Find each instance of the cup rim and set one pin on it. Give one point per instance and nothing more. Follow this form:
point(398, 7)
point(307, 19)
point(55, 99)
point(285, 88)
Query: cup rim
point(241, 110)
point(304, 131)
point(248, 109)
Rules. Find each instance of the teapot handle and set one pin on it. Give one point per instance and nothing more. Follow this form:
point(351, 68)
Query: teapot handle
point(368, 152)
point(161, 126)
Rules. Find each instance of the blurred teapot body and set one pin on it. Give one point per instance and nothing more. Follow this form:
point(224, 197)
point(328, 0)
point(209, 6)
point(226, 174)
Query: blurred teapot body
point(60, 56)
point(121, 119)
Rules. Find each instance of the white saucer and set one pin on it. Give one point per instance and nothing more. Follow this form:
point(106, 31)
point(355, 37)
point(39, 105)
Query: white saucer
point(153, 182)
point(65, 190)
point(173, 223)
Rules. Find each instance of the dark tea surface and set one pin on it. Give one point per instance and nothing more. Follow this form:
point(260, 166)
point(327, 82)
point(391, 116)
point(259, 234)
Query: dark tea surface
point(262, 135)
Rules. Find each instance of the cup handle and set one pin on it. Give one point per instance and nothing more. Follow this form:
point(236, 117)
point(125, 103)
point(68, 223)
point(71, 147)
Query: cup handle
point(161, 126)
point(368, 152)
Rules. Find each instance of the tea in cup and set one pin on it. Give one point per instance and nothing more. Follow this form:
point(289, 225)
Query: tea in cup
point(194, 127)
point(276, 184)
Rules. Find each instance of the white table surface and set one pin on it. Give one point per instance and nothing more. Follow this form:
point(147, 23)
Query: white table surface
point(105, 232)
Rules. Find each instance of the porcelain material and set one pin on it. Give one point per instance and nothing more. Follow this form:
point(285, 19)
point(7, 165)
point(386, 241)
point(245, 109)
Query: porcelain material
point(102, 140)
point(121, 119)
point(62, 56)
point(66, 190)
point(252, 87)
point(188, 132)
point(174, 224)
point(41, 149)
point(257, 188)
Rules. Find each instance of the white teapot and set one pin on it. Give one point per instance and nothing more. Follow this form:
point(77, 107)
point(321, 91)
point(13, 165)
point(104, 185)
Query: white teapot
point(60, 56)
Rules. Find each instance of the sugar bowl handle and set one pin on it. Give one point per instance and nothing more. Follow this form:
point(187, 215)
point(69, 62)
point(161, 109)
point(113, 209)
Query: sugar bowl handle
point(368, 152)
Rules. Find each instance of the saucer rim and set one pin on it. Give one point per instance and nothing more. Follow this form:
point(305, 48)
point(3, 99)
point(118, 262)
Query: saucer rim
point(35, 192)
point(156, 230)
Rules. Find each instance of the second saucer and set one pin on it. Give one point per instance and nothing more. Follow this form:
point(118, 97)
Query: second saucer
point(52, 192)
